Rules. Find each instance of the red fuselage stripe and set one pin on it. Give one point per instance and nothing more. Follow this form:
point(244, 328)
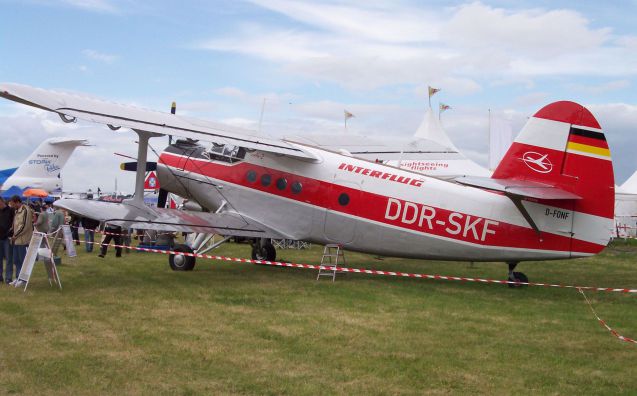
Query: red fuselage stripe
point(371, 206)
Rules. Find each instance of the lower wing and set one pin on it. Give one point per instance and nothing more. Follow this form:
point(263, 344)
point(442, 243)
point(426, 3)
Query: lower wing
point(130, 215)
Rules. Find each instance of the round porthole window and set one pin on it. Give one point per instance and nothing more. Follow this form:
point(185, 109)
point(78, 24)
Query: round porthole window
point(281, 183)
point(343, 199)
point(266, 180)
point(251, 176)
point(296, 187)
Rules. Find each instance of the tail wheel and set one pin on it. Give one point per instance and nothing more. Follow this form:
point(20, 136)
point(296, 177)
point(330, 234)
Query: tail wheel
point(265, 252)
point(180, 262)
point(518, 277)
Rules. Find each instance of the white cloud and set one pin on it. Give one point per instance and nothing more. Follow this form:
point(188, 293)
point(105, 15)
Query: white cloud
point(453, 86)
point(99, 56)
point(92, 5)
point(269, 44)
point(83, 69)
point(273, 100)
point(242, 123)
point(536, 99)
point(618, 121)
point(202, 106)
point(374, 22)
point(367, 45)
point(596, 89)
point(538, 33)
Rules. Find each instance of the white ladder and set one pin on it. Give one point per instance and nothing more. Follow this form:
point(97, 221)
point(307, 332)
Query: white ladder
point(331, 251)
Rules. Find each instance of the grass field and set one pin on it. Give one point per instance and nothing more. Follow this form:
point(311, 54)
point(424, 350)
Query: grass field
point(133, 326)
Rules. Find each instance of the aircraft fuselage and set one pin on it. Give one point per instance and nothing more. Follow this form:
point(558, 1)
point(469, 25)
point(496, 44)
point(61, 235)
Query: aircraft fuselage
point(375, 208)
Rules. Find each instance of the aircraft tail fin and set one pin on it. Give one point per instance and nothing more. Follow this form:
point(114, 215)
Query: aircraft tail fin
point(563, 146)
point(48, 159)
point(5, 174)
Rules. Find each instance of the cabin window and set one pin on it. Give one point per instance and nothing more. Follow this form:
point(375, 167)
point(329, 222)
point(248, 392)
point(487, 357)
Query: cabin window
point(343, 199)
point(251, 176)
point(296, 187)
point(225, 153)
point(281, 183)
point(266, 180)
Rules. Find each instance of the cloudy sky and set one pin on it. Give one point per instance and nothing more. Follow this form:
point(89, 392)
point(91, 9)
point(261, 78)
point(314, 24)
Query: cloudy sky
point(310, 60)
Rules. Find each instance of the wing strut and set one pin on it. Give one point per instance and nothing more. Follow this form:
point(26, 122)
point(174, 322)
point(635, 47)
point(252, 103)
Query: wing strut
point(517, 201)
point(142, 154)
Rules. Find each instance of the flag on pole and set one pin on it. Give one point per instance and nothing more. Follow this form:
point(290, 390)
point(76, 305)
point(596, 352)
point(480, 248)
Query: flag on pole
point(347, 116)
point(442, 108)
point(432, 92)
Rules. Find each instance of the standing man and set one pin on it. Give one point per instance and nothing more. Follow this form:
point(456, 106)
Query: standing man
point(42, 222)
point(89, 226)
point(22, 232)
point(112, 233)
point(75, 228)
point(6, 223)
point(56, 219)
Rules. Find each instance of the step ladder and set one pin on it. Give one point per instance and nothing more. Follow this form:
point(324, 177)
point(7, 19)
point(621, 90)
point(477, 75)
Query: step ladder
point(332, 253)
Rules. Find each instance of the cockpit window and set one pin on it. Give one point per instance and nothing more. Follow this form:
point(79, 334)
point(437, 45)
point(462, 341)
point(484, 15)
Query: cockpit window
point(226, 153)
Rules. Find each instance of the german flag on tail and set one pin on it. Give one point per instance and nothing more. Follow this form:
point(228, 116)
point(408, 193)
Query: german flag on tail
point(587, 142)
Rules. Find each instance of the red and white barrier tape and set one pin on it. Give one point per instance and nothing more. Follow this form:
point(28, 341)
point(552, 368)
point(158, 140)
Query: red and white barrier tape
point(401, 274)
point(603, 323)
point(375, 272)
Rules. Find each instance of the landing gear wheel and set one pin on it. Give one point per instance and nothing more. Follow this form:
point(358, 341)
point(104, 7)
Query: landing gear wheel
point(179, 262)
point(518, 277)
point(265, 252)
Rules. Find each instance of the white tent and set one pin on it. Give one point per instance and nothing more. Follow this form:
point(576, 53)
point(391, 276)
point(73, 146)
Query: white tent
point(626, 207)
point(630, 185)
point(431, 129)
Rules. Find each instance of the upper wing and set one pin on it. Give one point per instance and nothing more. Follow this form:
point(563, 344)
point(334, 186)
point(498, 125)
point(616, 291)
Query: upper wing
point(127, 214)
point(520, 188)
point(116, 115)
point(389, 148)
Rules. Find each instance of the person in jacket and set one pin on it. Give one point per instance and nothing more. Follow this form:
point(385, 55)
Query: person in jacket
point(56, 220)
point(42, 222)
point(112, 233)
point(6, 249)
point(22, 232)
point(89, 226)
point(75, 227)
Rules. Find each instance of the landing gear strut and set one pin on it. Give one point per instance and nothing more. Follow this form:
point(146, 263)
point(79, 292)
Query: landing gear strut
point(262, 249)
point(516, 276)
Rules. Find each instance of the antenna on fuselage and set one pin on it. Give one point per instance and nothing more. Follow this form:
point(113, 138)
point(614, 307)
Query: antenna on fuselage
point(173, 110)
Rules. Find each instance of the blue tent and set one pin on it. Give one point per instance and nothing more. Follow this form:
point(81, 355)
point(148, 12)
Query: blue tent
point(15, 190)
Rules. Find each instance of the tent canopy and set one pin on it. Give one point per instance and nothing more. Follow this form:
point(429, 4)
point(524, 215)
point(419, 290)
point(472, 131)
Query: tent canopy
point(15, 190)
point(35, 192)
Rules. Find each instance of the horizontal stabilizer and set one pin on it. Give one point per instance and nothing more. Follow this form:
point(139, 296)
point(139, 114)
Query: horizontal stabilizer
point(521, 188)
point(62, 141)
point(131, 215)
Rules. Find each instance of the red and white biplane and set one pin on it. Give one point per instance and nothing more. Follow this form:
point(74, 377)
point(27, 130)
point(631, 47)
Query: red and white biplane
point(551, 197)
